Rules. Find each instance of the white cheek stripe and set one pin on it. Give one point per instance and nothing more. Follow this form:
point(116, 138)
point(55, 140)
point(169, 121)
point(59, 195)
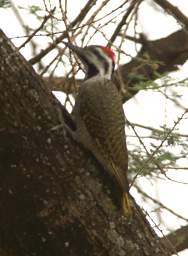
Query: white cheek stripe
point(108, 59)
point(97, 63)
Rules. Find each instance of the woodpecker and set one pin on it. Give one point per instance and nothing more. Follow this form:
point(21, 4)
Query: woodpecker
point(99, 117)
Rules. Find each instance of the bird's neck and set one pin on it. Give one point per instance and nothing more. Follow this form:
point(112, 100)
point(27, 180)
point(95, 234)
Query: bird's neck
point(98, 76)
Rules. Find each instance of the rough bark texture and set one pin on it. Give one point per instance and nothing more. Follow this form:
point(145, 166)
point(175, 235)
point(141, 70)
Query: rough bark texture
point(179, 238)
point(53, 198)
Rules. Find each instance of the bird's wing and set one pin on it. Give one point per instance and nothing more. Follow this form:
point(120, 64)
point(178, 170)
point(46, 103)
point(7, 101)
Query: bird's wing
point(102, 112)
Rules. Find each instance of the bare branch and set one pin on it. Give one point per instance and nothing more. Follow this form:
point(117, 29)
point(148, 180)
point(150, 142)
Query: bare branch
point(174, 11)
point(58, 40)
point(151, 156)
point(179, 238)
point(123, 21)
point(46, 18)
point(159, 203)
point(152, 129)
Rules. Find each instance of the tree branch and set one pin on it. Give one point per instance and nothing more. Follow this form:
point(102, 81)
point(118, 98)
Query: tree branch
point(59, 39)
point(174, 11)
point(123, 21)
point(162, 206)
point(46, 18)
point(179, 238)
point(154, 60)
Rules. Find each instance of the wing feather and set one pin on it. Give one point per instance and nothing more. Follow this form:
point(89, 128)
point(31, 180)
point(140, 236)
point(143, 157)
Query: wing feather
point(102, 112)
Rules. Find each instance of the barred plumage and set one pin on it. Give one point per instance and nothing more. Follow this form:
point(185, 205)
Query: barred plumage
point(99, 117)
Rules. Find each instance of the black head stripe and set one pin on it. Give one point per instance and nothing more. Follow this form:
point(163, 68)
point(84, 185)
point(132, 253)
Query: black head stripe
point(92, 71)
point(113, 66)
point(101, 58)
point(96, 62)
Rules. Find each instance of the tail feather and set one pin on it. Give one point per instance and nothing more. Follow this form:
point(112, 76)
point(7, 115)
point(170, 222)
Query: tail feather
point(126, 205)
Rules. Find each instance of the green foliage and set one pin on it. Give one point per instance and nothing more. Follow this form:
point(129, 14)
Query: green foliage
point(34, 9)
point(5, 3)
point(158, 159)
point(139, 160)
point(39, 13)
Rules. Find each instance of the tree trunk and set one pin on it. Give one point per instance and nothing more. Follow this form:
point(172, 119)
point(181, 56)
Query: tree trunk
point(54, 199)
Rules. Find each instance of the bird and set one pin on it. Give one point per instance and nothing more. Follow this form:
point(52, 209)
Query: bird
point(99, 116)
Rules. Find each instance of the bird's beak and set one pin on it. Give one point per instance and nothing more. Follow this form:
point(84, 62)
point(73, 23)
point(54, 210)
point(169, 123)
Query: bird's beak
point(81, 53)
point(78, 50)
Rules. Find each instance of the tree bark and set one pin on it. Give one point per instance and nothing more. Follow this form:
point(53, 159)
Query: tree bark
point(54, 197)
point(179, 238)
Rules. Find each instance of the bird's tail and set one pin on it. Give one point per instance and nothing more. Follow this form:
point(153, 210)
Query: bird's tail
point(123, 182)
point(126, 205)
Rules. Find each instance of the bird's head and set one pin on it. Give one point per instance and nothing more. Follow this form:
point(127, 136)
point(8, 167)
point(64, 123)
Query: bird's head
point(98, 60)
